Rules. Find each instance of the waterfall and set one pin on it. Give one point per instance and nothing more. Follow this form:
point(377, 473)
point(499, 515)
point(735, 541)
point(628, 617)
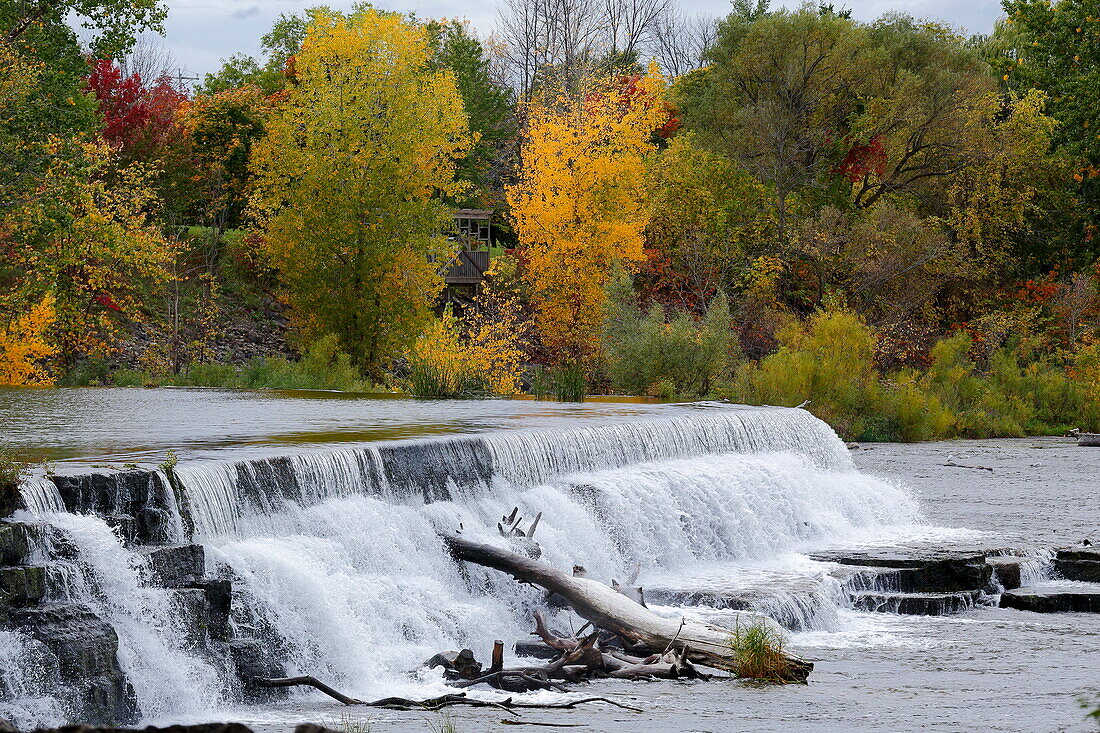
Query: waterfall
point(220, 493)
point(110, 579)
point(29, 683)
point(337, 568)
point(41, 496)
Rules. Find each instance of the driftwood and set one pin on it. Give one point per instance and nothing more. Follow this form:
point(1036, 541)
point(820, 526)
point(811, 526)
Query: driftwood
point(435, 703)
point(699, 642)
point(952, 464)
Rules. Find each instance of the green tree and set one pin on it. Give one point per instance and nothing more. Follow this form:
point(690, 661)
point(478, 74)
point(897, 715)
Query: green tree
point(777, 96)
point(1055, 47)
point(271, 73)
point(710, 217)
point(489, 108)
point(348, 180)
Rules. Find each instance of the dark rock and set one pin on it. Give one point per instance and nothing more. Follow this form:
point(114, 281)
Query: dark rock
point(154, 525)
point(191, 610)
point(536, 650)
point(931, 571)
point(14, 542)
point(20, 586)
point(456, 665)
point(312, 728)
point(252, 659)
point(204, 612)
point(1006, 571)
point(219, 605)
point(201, 728)
point(86, 648)
point(135, 501)
point(176, 566)
point(1059, 599)
point(916, 604)
point(6, 727)
point(123, 524)
point(1078, 564)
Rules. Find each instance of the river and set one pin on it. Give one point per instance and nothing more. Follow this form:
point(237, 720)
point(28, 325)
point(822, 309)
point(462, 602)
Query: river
point(345, 577)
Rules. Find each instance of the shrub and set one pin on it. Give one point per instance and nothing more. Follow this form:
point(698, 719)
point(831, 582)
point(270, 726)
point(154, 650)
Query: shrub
point(323, 366)
point(829, 362)
point(758, 650)
point(443, 363)
point(648, 352)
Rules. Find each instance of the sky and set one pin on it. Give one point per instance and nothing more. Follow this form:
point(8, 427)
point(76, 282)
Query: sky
point(198, 33)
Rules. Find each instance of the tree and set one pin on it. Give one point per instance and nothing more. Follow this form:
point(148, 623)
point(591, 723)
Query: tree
point(141, 121)
point(709, 218)
point(488, 105)
point(223, 127)
point(778, 94)
point(1055, 47)
point(579, 205)
point(24, 346)
point(270, 75)
point(348, 179)
point(88, 246)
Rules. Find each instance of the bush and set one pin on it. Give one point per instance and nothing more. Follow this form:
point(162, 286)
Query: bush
point(829, 362)
point(11, 473)
point(678, 356)
point(445, 364)
point(323, 366)
point(758, 650)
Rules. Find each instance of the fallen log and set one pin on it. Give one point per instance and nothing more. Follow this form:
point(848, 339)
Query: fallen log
point(701, 642)
point(434, 703)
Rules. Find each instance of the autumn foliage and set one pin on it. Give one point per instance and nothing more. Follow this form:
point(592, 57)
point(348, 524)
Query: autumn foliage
point(579, 206)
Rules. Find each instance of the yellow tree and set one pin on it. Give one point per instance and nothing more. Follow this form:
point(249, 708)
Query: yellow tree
point(348, 180)
point(579, 205)
point(86, 245)
point(24, 349)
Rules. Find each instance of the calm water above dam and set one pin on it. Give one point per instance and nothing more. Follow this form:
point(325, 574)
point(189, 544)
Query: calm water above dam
point(134, 424)
point(335, 562)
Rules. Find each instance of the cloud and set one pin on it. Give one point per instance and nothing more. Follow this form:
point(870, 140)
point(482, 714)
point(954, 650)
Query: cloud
point(245, 12)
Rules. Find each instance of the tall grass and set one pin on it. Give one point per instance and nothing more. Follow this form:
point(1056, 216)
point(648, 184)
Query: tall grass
point(348, 724)
point(569, 383)
point(758, 650)
point(830, 362)
point(431, 380)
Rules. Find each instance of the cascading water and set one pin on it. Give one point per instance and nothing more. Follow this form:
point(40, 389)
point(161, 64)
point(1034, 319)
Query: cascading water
point(338, 568)
point(111, 579)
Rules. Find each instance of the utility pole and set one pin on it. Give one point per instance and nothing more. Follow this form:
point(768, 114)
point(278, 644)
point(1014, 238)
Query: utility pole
point(181, 77)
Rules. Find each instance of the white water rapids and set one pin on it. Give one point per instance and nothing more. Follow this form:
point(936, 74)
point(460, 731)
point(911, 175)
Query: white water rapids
point(337, 566)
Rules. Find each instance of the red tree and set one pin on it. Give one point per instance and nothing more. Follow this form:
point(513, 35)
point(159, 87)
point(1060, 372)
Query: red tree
point(139, 118)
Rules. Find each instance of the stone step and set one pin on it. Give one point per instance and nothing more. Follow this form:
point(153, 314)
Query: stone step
point(175, 566)
point(1060, 598)
point(86, 648)
point(1007, 570)
point(15, 541)
point(916, 604)
point(22, 586)
point(1082, 564)
point(912, 570)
